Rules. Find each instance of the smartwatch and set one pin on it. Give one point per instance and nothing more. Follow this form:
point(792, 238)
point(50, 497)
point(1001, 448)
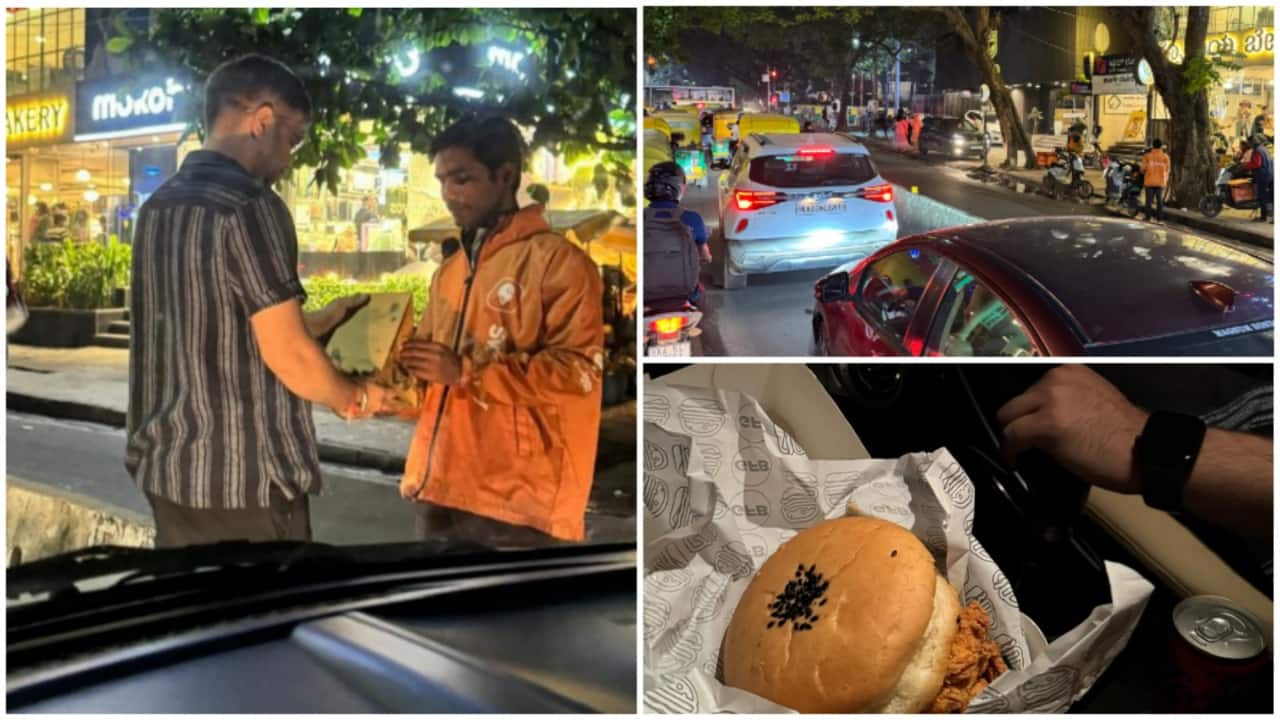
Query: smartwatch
point(1163, 456)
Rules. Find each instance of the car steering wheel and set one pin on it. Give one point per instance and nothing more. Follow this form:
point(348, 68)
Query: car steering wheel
point(1052, 500)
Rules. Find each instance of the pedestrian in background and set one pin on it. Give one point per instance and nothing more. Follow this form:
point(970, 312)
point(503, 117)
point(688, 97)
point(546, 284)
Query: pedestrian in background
point(1155, 170)
point(39, 222)
point(223, 363)
point(1263, 174)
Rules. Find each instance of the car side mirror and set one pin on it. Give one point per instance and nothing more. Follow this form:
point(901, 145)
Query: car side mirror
point(834, 288)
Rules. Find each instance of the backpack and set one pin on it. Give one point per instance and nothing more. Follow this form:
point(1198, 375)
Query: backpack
point(670, 255)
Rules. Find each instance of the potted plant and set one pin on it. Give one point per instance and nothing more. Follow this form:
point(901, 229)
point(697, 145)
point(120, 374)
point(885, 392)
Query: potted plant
point(71, 289)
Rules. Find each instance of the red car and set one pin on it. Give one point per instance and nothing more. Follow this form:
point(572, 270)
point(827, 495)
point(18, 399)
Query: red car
point(1049, 286)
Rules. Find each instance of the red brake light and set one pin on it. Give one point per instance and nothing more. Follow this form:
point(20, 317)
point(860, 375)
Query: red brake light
point(878, 193)
point(668, 325)
point(817, 150)
point(742, 225)
point(753, 200)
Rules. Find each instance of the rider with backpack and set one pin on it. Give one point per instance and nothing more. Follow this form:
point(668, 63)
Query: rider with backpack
point(675, 239)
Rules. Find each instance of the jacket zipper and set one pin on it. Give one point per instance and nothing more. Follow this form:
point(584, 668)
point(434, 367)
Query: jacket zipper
point(473, 263)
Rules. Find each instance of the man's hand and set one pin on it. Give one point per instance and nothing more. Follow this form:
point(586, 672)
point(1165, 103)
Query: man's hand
point(376, 399)
point(324, 322)
point(1080, 420)
point(705, 252)
point(431, 361)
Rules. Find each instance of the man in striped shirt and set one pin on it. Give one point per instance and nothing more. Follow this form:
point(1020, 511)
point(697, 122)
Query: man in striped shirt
point(224, 365)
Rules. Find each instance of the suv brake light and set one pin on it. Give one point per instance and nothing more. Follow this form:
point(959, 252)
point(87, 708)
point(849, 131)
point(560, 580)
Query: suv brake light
point(754, 200)
point(818, 150)
point(878, 193)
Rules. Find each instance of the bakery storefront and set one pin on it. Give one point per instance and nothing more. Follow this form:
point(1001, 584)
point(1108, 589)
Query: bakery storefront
point(94, 153)
point(1250, 86)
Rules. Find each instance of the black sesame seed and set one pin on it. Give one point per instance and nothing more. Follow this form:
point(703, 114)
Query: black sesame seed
point(824, 601)
point(893, 554)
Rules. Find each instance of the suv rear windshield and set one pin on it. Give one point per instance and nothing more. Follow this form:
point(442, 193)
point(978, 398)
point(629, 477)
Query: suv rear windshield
point(797, 171)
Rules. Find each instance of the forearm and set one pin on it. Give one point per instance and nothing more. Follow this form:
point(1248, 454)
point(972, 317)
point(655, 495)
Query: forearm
point(308, 373)
point(1231, 483)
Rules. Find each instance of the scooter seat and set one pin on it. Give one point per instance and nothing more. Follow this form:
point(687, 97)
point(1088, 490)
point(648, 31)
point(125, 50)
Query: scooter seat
point(666, 305)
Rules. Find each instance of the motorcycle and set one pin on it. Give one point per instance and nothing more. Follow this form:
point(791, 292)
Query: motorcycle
point(1067, 173)
point(1230, 190)
point(1124, 186)
point(670, 328)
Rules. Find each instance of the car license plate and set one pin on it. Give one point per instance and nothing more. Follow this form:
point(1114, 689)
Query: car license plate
point(684, 348)
point(811, 206)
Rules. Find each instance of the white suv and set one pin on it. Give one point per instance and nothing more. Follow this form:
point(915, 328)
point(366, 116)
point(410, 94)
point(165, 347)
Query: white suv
point(801, 201)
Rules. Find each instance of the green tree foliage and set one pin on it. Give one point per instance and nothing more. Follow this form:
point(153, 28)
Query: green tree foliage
point(568, 74)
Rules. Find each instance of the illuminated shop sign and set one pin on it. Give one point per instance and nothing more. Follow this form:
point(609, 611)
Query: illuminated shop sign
point(124, 107)
point(36, 119)
point(1256, 46)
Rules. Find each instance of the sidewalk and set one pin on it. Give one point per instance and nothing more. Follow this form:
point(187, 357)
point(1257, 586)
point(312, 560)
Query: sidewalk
point(1234, 224)
point(92, 384)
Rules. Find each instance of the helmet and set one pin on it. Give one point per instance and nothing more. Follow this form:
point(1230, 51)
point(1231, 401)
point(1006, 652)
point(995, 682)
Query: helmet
point(665, 182)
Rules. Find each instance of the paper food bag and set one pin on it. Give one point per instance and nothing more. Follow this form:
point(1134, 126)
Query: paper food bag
point(368, 343)
point(725, 486)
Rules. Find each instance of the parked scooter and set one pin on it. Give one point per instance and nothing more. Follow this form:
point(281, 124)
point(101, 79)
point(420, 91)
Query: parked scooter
point(1233, 189)
point(1067, 176)
point(1124, 186)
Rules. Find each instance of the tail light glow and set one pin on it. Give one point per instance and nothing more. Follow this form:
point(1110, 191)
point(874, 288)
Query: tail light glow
point(817, 150)
point(878, 193)
point(754, 200)
point(669, 325)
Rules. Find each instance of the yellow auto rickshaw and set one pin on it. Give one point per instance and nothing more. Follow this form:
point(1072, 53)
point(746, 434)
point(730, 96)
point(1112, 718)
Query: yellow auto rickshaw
point(722, 134)
point(681, 123)
point(767, 123)
point(686, 150)
point(657, 148)
point(652, 122)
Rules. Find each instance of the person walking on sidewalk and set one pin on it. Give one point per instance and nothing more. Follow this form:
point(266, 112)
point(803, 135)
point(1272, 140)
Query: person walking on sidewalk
point(511, 350)
point(1155, 170)
point(223, 364)
point(1263, 174)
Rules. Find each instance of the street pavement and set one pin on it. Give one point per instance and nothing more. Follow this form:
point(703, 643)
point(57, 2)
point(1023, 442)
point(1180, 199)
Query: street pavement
point(64, 430)
point(356, 506)
point(771, 317)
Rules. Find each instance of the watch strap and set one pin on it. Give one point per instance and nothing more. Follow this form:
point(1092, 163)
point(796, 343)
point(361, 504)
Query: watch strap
point(1164, 455)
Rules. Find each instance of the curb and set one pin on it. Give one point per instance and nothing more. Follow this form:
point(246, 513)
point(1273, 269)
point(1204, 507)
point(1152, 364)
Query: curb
point(330, 452)
point(1176, 217)
point(1183, 218)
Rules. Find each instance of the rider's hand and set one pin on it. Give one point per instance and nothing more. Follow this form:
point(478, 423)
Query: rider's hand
point(1082, 421)
point(431, 362)
point(705, 252)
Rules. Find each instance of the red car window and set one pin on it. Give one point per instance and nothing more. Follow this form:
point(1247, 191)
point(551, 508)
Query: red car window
point(891, 287)
point(972, 321)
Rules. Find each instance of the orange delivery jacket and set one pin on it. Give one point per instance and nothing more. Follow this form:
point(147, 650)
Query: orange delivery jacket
point(515, 439)
point(1155, 168)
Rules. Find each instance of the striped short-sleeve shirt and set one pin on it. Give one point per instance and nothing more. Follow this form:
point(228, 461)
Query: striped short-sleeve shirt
point(209, 425)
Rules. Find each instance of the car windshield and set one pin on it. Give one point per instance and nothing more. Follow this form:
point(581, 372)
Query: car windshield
point(812, 170)
point(174, 399)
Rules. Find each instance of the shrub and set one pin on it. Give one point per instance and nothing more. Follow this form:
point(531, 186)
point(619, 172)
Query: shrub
point(79, 276)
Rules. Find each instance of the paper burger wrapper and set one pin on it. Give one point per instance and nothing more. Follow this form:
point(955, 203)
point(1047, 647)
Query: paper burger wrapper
point(725, 486)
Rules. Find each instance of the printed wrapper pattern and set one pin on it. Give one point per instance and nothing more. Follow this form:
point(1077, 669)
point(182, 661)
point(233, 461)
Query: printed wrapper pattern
point(724, 487)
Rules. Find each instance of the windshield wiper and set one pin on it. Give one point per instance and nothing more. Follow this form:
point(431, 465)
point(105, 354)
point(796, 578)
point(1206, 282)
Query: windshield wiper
point(65, 573)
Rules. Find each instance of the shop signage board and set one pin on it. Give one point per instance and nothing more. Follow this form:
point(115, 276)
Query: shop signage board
point(1123, 104)
point(1118, 85)
point(1081, 88)
point(124, 106)
point(1244, 47)
point(41, 119)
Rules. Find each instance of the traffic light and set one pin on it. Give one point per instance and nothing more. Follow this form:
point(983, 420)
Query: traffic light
point(773, 73)
point(652, 61)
